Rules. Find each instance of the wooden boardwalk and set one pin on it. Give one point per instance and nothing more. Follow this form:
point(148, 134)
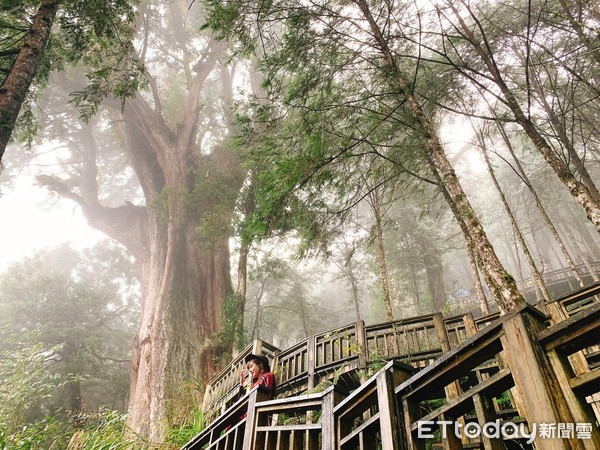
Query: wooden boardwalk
point(535, 369)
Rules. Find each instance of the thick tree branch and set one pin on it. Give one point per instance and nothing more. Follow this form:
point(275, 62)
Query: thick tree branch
point(127, 224)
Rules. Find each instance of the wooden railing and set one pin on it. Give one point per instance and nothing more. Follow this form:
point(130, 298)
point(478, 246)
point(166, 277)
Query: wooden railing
point(303, 422)
point(524, 368)
point(417, 341)
point(560, 282)
point(527, 378)
point(369, 415)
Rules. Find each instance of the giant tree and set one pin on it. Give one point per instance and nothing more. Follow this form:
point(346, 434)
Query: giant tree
point(158, 177)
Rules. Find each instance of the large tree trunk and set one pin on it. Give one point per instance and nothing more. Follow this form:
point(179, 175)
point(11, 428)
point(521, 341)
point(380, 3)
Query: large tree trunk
point(435, 278)
point(184, 284)
point(353, 288)
point(180, 239)
point(481, 298)
point(16, 84)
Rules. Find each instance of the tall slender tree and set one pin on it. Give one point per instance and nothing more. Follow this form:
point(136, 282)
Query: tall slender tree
point(471, 27)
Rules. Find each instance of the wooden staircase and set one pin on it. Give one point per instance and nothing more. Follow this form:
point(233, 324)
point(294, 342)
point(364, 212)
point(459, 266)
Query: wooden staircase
point(537, 365)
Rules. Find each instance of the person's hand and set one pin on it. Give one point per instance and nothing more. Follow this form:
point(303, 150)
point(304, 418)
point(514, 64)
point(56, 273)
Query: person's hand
point(242, 377)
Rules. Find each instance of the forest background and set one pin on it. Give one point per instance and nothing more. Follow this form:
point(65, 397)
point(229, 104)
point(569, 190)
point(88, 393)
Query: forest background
point(272, 170)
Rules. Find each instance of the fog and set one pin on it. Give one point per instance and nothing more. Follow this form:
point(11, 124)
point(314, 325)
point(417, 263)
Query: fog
point(239, 193)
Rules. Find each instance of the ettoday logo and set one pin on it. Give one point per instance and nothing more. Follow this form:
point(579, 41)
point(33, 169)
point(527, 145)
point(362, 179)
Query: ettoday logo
point(506, 430)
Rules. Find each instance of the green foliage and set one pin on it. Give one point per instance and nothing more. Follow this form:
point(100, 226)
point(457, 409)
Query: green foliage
point(178, 435)
point(94, 34)
point(25, 380)
point(47, 434)
point(107, 430)
point(231, 331)
point(65, 330)
point(333, 128)
point(103, 430)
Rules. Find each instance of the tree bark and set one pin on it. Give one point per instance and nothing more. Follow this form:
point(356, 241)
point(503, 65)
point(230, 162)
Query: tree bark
point(435, 274)
point(435, 280)
point(481, 298)
point(16, 84)
point(354, 289)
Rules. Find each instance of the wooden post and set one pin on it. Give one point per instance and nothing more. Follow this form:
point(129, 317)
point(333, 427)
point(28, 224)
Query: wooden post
point(581, 410)
point(312, 361)
point(388, 413)
point(411, 415)
point(361, 340)
point(328, 435)
point(470, 324)
point(486, 413)
point(254, 397)
point(257, 347)
point(206, 400)
point(453, 389)
point(556, 312)
point(451, 441)
point(543, 400)
point(440, 331)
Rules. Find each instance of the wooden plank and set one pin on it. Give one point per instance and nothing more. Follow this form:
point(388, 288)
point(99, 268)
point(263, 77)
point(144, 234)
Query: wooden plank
point(251, 418)
point(486, 413)
point(579, 407)
point(389, 423)
point(296, 427)
point(311, 360)
point(358, 397)
point(575, 333)
point(580, 294)
point(450, 441)
point(470, 327)
point(587, 383)
point(282, 442)
point(411, 414)
point(361, 339)
point(455, 363)
point(542, 398)
point(328, 420)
